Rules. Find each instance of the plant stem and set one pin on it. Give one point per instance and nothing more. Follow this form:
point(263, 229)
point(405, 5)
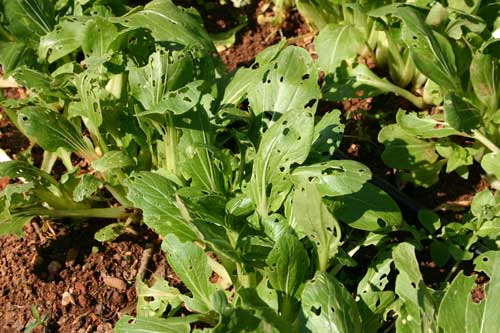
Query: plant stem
point(120, 195)
point(386, 86)
point(49, 158)
point(102, 213)
point(485, 141)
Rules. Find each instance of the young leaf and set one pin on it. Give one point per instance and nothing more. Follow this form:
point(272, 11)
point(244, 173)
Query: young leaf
point(328, 306)
point(286, 142)
point(289, 264)
point(313, 219)
point(190, 263)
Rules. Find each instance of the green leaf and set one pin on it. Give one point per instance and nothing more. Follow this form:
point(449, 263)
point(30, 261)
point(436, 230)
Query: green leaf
point(333, 178)
point(165, 71)
point(372, 300)
point(190, 263)
point(329, 307)
point(336, 43)
point(288, 264)
point(87, 186)
point(52, 131)
point(459, 312)
point(369, 209)
point(28, 20)
point(460, 114)
point(313, 219)
point(14, 55)
point(403, 150)
point(112, 160)
point(170, 23)
point(286, 142)
point(491, 164)
point(97, 37)
point(417, 311)
point(155, 195)
point(128, 324)
point(457, 156)
point(485, 78)
point(64, 39)
point(262, 310)
point(431, 52)
point(423, 126)
point(327, 136)
point(290, 82)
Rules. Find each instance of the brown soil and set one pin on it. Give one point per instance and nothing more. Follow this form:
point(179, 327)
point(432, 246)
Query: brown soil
point(83, 285)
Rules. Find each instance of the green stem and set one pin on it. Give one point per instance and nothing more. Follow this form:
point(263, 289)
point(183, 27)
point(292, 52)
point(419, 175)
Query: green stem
point(103, 213)
point(485, 141)
point(49, 159)
point(386, 86)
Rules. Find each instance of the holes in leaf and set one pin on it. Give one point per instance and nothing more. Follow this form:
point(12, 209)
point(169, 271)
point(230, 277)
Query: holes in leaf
point(310, 103)
point(381, 223)
point(286, 130)
point(299, 138)
point(305, 76)
point(282, 169)
point(281, 79)
point(414, 285)
point(265, 77)
point(329, 229)
point(332, 170)
point(332, 309)
point(485, 259)
point(24, 118)
point(187, 99)
point(316, 311)
point(377, 303)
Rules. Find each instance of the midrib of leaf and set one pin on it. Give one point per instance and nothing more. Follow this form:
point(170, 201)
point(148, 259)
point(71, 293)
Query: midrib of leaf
point(263, 199)
point(38, 20)
point(160, 15)
point(337, 41)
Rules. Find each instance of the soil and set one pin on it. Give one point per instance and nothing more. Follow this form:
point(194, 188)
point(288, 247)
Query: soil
point(81, 284)
point(85, 286)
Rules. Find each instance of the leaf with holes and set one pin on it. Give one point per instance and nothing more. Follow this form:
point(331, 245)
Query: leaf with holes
point(458, 311)
point(289, 82)
point(314, 220)
point(333, 178)
point(328, 306)
point(286, 142)
point(418, 310)
point(190, 263)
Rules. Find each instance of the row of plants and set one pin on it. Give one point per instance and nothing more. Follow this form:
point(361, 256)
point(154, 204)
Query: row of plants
point(237, 172)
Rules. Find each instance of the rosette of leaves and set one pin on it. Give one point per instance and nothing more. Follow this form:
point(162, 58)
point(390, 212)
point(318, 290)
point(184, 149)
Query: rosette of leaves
point(283, 219)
